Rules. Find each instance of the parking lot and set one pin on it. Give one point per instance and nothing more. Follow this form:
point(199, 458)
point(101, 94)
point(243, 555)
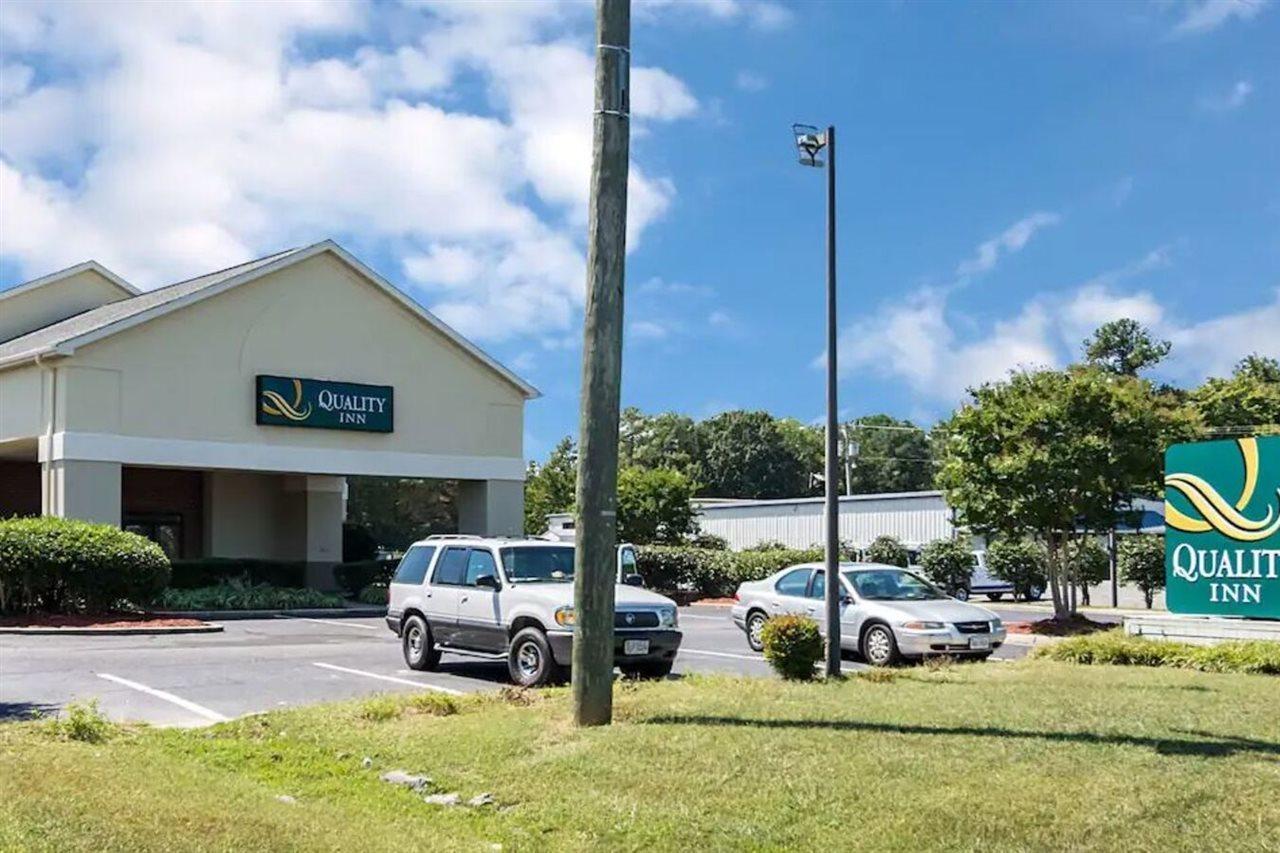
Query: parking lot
point(263, 664)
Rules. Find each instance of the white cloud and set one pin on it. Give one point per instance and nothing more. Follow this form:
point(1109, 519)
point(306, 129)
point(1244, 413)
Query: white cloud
point(1010, 241)
point(1202, 16)
point(759, 14)
point(923, 342)
point(648, 330)
point(750, 81)
point(175, 138)
point(1233, 99)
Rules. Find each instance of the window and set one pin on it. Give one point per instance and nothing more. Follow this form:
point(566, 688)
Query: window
point(163, 529)
point(413, 566)
point(451, 568)
point(818, 589)
point(629, 566)
point(793, 582)
point(892, 585)
point(540, 564)
point(480, 563)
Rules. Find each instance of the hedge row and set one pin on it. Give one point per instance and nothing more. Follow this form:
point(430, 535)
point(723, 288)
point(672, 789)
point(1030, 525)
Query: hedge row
point(711, 573)
point(1116, 647)
point(211, 571)
point(356, 576)
point(62, 565)
point(244, 595)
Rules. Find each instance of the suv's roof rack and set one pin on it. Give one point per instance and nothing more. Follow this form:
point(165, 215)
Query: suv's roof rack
point(452, 536)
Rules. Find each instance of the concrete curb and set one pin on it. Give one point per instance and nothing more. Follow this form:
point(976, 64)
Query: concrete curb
point(308, 613)
point(140, 631)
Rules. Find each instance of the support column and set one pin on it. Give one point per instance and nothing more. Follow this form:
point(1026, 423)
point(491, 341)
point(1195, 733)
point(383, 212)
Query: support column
point(491, 507)
point(89, 491)
point(324, 507)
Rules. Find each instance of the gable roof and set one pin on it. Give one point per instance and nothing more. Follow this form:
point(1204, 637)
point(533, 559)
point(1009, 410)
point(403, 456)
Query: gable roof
point(62, 338)
point(125, 287)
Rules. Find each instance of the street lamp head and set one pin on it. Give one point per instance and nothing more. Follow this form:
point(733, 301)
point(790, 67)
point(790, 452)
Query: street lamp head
point(809, 141)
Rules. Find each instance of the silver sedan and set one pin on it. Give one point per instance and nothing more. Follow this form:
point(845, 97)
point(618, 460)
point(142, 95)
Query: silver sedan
point(886, 613)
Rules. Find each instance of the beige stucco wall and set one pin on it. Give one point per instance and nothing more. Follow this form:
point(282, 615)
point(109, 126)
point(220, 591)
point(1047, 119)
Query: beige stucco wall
point(21, 403)
point(190, 375)
point(39, 307)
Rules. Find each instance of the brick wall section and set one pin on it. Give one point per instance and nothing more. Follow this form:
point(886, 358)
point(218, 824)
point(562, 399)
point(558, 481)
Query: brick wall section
point(19, 488)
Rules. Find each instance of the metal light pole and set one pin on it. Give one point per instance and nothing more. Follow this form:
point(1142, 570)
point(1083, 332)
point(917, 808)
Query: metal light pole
point(809, 142)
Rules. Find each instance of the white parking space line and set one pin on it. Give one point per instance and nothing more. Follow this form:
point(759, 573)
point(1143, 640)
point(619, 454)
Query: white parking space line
point(390, 678)
point(725, 618)
point(199, 710)
point(331, 622)
point(759, 658)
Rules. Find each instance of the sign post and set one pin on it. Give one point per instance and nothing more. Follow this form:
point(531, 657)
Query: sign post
point(1222, 528)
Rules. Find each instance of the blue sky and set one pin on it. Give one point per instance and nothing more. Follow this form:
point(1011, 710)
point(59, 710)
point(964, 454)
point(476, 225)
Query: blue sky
point(1011, 176)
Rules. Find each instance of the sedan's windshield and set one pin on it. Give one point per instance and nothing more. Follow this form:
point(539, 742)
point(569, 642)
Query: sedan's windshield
point(538, 565)
point(892, 585)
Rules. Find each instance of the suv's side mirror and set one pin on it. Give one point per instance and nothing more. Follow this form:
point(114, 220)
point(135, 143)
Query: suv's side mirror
point(633, 580)
point(488, 581)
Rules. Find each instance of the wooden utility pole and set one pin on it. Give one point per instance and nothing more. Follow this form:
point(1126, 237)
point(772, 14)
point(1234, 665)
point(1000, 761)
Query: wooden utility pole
point(595, 557)
point(831, 504)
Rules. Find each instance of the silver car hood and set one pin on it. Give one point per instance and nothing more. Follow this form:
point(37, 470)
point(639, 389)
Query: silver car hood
point(936, 610)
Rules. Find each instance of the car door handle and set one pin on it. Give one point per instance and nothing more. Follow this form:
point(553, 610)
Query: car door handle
point(462, 600)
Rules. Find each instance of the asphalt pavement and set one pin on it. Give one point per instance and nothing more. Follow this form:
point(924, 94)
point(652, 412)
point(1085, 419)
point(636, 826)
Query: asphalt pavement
point(263, 664)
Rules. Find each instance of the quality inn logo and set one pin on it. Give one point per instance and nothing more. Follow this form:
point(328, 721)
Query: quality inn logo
point(1216, 513)
point(274, 404)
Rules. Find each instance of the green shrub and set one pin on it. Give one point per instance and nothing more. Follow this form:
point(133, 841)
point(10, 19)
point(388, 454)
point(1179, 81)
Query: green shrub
point(239, 594)
point(1019, 562)
point(82, 721)
point(1092, 566)
point(710, 573)
point(355, 577)
point(60, 565)
point(792, 646)
point(1118, 648)
point(948, 563)
point(887, 550)
point(709, 541)
point(211, 571)
point(1140, 561)
point(374, 593)
point(767, 545)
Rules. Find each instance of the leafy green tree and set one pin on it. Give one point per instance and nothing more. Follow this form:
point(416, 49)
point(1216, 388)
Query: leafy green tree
point(887, 550)
point(892, 456)
point(1018, 562)
point(550, 487)
point(948, 563)
point(667, 440)
point(397, 511)
point(1125, 347)
point(1250, 397)
point(1140, 559)
point(1091, 566)
point(655, 506)
point(1054, 454)
point(755, 455)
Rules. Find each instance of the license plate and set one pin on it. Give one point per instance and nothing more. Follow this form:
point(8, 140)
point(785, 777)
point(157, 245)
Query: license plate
point(979, 642)
point(635, 647)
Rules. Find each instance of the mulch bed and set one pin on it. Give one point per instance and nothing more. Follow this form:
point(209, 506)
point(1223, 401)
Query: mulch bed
point(94, 620)
point(1073, 627)
point(719, 602)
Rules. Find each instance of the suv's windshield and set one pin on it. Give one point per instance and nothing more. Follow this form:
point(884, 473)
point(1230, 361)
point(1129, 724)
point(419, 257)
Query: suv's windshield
point(538, 564)
point(892, 585)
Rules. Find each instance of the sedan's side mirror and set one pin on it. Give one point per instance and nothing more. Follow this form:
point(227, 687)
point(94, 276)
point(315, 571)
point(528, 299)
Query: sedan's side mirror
point(488, 582)
point(633, 580)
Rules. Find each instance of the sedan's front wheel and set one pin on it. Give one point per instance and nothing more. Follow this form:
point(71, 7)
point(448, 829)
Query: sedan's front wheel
point(879, 648)
point(755, 631)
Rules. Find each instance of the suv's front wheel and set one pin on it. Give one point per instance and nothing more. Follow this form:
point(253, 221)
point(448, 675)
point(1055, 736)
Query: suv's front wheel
point(529, 661)
point(420, 650)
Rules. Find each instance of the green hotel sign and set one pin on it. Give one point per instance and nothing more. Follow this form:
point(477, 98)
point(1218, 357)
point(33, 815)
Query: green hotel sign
point(1222, 527)
point(321, 404)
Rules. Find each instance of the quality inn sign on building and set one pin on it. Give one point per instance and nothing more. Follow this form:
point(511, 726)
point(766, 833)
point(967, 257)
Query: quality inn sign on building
point(1222, 527)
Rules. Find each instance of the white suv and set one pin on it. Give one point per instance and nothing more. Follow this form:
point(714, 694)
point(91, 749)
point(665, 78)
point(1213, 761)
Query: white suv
point(513, 598)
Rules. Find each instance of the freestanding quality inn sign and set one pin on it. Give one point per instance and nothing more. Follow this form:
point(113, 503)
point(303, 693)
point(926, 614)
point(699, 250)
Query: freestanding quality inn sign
point(320, 404)
point(1222, 527)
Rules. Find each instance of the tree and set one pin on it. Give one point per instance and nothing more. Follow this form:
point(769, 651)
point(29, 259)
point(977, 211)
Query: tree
point(1018, 562)
point(397, 511)
point(892, 456)
point(1251, 397)
point(887, 550)
point(654, 506)
point(948, 563)
point(755, 455)
point(1055, 454)
point(549, 487)
point(1091, 566)
point(668, 440)
point(1125, 347)
point(1140, 559)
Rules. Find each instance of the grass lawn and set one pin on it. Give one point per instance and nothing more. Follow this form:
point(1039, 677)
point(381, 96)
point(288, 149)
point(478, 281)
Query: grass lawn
point(1030, 756)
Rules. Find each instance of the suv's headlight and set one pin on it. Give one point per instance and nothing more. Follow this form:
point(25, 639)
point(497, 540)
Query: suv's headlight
point(564, 616)
point(667, 617)
point(924, 626)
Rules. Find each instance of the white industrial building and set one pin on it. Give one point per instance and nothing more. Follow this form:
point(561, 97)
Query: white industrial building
point(915, 518)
